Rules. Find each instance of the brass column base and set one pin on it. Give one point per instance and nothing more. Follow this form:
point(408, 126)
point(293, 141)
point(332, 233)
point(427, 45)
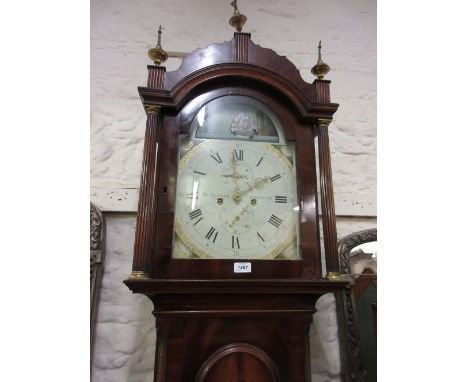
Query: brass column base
point(333, 276)
point(139, 275)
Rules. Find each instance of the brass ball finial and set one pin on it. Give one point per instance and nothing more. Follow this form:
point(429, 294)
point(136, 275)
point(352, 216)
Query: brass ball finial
point(237, 19)
point(158, 54)
point(320, 69)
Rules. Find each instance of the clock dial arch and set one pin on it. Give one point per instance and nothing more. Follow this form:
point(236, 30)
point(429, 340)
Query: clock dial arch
point(237, 117)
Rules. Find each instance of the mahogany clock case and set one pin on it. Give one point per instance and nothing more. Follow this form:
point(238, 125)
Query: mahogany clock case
point(236, 67)
point(210, 320)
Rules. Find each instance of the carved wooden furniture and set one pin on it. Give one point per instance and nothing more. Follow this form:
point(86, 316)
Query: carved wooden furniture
point(214, 322)
point(353, 368)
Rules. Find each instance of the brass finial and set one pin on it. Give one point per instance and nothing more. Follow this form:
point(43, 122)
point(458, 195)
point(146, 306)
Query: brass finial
point(158, 54)
point(237, 19)
point(320, 69)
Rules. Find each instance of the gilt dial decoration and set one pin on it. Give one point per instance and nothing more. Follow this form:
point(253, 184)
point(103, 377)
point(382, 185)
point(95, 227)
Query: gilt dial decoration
point(236, 200)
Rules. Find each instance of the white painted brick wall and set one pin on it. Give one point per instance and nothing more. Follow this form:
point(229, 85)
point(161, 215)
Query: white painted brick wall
point(125, 335)
point(121, 33)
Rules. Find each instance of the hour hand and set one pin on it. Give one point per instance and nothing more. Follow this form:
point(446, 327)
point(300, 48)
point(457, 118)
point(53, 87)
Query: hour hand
point(260, 182)
point(238, 216)
point(234, 176)
point(257, 184)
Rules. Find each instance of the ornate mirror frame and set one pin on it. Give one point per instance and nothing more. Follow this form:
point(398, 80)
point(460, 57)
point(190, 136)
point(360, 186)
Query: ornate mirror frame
point(351, 363)
point(97, 238)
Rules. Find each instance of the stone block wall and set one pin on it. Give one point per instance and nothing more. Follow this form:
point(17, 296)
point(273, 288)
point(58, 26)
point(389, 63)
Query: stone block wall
point(122, 31)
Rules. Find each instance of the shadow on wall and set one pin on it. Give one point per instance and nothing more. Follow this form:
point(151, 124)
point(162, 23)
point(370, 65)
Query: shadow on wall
point(125, 337)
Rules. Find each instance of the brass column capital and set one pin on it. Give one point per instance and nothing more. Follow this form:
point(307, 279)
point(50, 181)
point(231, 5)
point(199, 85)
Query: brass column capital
point(334, 276)
point(138, 275)
point(323, 122)
point(152, 109)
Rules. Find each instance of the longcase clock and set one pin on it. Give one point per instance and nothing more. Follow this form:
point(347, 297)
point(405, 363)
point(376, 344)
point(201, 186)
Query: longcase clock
point(227, 241)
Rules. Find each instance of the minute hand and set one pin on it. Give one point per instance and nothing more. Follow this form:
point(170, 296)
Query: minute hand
point(235, 176)
point(258, 183)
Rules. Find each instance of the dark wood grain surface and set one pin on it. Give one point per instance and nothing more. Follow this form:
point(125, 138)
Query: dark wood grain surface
point(234, 330)
point(327, 199)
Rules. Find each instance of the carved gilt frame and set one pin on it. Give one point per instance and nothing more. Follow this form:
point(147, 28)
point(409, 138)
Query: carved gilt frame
point(97, 254)
point(351, 363)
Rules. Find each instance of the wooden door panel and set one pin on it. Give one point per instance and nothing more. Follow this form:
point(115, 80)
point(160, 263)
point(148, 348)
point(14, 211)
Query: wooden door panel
point(239, 362)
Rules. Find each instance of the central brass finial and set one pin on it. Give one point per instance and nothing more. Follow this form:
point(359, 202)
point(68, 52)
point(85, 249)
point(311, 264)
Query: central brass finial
point(237, 19)
point(320, 69)
point(158, 54)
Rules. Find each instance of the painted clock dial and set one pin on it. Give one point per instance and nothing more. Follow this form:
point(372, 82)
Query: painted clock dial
point(236, 200)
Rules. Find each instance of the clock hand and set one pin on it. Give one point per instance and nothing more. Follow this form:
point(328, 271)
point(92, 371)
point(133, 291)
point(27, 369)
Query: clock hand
point(237, 196)
point(238, 216)
point(235, 176)
point(259, 182)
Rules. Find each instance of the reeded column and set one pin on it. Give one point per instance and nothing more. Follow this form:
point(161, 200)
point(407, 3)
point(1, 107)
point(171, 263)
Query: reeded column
point(327, 201)
point(147, 198)
point(241, 47)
